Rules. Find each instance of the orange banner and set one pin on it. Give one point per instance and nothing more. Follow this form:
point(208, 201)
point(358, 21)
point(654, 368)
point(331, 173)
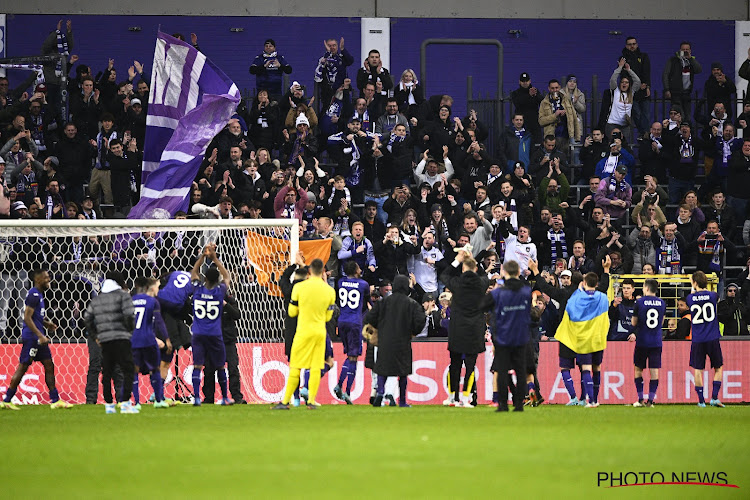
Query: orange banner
point(269, 257)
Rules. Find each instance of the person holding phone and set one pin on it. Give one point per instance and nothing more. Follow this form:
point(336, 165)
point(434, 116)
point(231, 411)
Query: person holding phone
point(679, 75)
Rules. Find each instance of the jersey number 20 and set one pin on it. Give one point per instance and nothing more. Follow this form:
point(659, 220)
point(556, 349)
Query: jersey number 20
point(704, 314)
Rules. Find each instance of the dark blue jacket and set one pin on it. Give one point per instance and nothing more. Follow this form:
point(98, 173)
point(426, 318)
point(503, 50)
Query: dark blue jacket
point(511, 313)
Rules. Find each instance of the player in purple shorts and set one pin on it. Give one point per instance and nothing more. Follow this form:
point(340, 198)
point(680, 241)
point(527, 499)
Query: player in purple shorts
point(705, 337)
point(208, 304)
point(648, 317)
point(35, 343)
point(176, 305)
point(149, 336)
point(354, 295)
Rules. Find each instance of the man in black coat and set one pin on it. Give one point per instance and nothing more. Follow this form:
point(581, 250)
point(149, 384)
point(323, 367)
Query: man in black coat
point(526, 100)
point(467, 326)
point(398, 318)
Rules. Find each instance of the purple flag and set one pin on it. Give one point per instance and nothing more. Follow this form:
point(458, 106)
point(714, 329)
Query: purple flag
point(190, 101)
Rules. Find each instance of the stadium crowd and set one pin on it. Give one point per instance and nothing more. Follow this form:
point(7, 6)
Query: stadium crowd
point(400, 183)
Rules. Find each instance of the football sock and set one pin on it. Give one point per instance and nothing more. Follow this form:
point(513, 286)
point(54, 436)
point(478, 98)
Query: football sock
point(196, 384)
point(158, 385)
point(344, 372)
point(136, 390)
point(307, 379)
point(221, 374)
point(291, 385)
point(402, 389)
point(597, 376)
point(381, 384)
point(296, 391)
point(589, 384)
point(495, 396)
point(314, 384)
point(639, 387)
point(324, 370)
point(652, 386)
point(53, 395)
point(351, 376)
point(583, 389)
point(715, 391)
point(12, 392)
point(530, 387)
point(568, 380)
point(699, 391)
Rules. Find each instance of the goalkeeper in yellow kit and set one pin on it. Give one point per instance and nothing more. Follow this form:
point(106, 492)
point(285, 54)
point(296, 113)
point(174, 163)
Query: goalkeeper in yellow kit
point(312, 303)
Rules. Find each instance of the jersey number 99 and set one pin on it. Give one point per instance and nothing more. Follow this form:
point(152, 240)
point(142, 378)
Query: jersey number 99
point(349, 298)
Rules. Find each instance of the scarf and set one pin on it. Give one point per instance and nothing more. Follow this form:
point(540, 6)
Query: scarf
point(38, 68)
point(615, 186)
point(272, 55)
point(393, 139)
point(511, 207)
point(668, 258)
point(288, 211)
point(557, 240)
point(519, 133)
point(347, 195)
point(90, 216)
point(492, 178)
point(499, 239)
point(611, 163)
point(101, 163)
point(706, 248)
point(27, 183)
point(574, 264)
point(37, 130)
point(355, 172)
point(77, 250)
point(62, 48)
point(687, 151)
point(410, 88)
point(726, 150)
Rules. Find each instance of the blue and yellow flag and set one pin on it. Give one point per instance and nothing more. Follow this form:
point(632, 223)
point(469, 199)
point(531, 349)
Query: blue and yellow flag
point(585, 324)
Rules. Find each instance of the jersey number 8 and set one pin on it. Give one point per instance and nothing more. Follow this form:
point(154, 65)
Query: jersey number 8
point(652, 318)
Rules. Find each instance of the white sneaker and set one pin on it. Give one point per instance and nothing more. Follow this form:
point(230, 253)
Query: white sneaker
point(466, 403)
point(450, 401)
point(592, 405)
point(638, 404)
point(109, 408)
point(128, 407)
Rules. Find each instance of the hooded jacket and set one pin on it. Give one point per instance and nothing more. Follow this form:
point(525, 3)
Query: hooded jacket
point(110, 315)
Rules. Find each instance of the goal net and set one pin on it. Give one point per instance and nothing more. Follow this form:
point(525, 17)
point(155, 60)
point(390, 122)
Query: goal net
point(78, 254)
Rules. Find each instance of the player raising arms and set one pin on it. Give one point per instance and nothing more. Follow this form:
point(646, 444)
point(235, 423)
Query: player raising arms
point(35, 343)
point(705, 341)
point(208, 304)
point(648, 317)
point(149, 336)
point(312, 303)
point(354, 294)
point(176, 304)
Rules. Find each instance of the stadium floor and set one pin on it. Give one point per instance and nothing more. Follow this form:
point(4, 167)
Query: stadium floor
point(363, 452)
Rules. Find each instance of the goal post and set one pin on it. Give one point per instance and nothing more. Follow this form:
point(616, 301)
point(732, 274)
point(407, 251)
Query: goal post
point(78, 254)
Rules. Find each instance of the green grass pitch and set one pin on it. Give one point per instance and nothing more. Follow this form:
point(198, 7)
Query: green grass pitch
point(337, 451)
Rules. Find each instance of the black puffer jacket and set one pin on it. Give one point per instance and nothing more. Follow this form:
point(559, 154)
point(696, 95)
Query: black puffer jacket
point(110, 315)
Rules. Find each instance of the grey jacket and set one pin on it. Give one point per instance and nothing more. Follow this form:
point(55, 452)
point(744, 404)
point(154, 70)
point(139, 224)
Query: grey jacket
point(110, 315)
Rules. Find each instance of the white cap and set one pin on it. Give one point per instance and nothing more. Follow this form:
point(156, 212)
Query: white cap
point(19, 205)
point(135, 101)
point(302, 119)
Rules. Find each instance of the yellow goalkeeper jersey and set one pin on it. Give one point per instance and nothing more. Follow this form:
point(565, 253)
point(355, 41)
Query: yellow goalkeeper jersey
point(312, 302)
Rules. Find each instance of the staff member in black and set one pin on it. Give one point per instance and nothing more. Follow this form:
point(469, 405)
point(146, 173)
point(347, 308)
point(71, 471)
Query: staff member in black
point(467, 327)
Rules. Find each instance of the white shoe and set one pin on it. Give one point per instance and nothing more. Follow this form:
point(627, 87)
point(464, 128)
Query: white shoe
point(592, 405)
point(450, 401)
point(638, 404)
point(127, 407)
point(465, 404)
